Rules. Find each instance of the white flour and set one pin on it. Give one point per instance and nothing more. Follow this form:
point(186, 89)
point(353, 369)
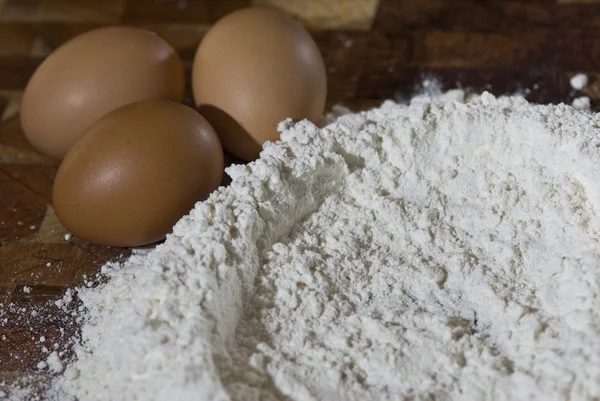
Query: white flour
point(442, 250)
point(579, 81)
point(581, 103)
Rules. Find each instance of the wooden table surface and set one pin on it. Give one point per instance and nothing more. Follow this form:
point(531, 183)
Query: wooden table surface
point(373, 50)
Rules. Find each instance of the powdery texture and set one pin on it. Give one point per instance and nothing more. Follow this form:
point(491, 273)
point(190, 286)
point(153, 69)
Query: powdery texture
point(581, 103)
point(443, 250)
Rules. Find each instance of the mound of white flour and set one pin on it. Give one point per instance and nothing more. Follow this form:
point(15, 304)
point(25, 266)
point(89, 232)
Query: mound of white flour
point(444, 250)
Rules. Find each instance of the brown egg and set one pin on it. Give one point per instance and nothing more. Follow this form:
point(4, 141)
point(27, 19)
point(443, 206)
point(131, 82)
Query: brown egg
point(253, 69)
point(92, 75)
point(136, 172)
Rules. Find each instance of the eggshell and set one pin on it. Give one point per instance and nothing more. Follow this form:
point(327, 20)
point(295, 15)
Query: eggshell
point(136, 172)
point(253, 69)
point(92, 75)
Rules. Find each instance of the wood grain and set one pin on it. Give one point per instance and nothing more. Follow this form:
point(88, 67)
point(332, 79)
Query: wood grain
point(104, 11)
point(328, 14)
point(373, 50)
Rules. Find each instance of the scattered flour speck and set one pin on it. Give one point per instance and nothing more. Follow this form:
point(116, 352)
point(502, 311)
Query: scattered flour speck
point(581, 103)
point(579, 81)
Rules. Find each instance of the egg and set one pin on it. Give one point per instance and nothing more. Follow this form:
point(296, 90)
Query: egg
point(135, 172)
point(92, 75)
point(254, 68)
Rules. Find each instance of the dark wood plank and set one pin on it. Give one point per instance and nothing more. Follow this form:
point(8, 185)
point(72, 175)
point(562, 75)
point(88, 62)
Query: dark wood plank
point(16, 70)
point(180, 11)
point(3, 103)
point(508, 16)
point(28, 326)
point(102, 11)
point(25, 196)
